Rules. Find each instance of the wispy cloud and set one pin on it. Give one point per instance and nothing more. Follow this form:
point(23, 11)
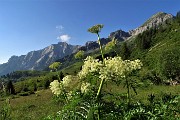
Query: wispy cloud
point(64, 38)
point(60, 27)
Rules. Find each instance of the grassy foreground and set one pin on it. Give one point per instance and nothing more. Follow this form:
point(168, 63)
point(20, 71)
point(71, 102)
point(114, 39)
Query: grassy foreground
point(40, 105)
point(32, 107)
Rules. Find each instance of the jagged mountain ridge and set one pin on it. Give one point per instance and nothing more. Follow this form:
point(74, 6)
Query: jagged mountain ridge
point(121, 35)
point(40, 59)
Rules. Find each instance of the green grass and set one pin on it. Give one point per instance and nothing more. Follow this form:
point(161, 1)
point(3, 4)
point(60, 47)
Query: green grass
point(40, 105)
point(142, 93)
point(157, 91)
point(33, 107)
point(73, 69)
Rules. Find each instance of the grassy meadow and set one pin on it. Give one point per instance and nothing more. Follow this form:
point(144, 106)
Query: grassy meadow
point(39, 105)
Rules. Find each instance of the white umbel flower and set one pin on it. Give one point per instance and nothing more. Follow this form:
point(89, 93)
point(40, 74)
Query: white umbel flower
point(114, 68)
point(91, 65)
point(56, 87)
point(66, 80)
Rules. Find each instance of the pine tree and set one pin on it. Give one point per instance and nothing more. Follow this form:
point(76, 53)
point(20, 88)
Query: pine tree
point(124, 51)
point(10, 88)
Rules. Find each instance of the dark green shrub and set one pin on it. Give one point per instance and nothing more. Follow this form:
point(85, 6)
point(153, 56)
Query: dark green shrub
point(170, 63)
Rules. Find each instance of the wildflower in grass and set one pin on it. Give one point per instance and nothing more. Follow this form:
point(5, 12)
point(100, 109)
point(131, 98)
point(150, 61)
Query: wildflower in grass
point(85, 87)
point(66, 80)
point(56, 87)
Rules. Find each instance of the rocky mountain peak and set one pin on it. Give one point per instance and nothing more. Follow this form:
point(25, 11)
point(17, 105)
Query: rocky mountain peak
point(119, 35)
point(92, 45)
point(154, 21)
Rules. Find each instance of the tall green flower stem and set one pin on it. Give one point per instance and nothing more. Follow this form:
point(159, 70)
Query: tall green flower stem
point(96, 29)
point(100, 46)
point(128, 91)
point(102, 81)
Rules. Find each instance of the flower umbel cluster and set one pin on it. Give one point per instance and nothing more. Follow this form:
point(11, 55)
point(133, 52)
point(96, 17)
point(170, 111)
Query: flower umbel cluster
point(66, 80)
point(133, 65)
point(96, 28)
point(56, 87)
point(114, 68)
point(91, 65)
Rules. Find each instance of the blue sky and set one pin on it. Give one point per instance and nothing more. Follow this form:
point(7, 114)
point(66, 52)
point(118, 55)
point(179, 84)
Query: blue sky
point(27, 25)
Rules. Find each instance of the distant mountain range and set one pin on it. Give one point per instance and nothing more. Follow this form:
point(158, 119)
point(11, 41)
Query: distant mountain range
point(38, 60)
point(41, 59)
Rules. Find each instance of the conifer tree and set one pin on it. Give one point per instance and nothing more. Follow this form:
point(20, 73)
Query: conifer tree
point(10, 88)
point(124, 51)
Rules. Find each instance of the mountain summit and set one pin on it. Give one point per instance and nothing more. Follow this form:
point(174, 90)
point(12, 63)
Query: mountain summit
point(154, 21)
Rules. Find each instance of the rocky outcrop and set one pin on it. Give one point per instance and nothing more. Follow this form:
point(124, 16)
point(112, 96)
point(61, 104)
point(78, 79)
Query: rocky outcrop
point(38, 60)
point(154, 21)
point(92, 45)
point(119, 35)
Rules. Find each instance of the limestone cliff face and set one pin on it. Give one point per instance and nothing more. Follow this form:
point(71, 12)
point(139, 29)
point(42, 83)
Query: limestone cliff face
point(154, 21)
point(38, 60)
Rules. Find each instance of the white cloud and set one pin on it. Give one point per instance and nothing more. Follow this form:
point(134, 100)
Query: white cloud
point(64, 38)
